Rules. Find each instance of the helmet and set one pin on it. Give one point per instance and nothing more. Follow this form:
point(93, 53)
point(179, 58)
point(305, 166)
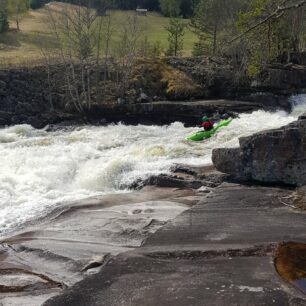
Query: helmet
point(204, 119)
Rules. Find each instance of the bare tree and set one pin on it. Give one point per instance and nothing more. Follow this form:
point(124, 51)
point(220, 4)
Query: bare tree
point(276, 14)
point(80, 33)
point(127, 50)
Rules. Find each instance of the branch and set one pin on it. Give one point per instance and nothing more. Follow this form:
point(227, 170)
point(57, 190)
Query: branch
point(279, 12)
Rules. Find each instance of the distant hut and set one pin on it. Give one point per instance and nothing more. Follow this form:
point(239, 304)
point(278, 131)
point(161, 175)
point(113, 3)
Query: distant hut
point(141, 12)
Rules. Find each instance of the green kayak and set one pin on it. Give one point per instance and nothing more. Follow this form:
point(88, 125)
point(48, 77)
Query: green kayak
point(201, 135)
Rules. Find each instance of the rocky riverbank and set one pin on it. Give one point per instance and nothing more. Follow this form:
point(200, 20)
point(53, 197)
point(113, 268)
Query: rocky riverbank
point(224, 249)
point(197, 236)
point(76, 240)
point(38, 95)
point(219, 252)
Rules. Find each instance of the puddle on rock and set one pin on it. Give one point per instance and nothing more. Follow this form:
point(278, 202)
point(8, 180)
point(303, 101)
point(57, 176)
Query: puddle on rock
point(290, 263)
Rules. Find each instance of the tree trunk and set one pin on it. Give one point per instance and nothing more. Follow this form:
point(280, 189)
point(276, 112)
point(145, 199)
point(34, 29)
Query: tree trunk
point(215, 39)
point(17, 19)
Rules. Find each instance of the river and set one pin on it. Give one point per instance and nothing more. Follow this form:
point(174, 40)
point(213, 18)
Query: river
point(40, 170)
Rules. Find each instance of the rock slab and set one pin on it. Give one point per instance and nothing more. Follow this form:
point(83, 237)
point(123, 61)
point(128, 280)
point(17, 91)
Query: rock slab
point(274, 157)
point(220, 252)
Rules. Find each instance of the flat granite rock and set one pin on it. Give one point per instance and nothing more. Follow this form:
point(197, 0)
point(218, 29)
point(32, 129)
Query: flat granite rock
point(76, 240)
point(144, 281)
point(219, 252)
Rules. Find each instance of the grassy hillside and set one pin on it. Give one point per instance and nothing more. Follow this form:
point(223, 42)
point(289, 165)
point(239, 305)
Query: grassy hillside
point(25, 47)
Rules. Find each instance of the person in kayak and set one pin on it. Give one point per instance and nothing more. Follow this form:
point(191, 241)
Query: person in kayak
point(207, 124)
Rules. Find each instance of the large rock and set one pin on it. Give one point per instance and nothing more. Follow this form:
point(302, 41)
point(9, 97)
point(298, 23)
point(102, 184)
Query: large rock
point(76, 239)
point(220, 252)
point(276, 156)
point(166, 112)
point(280, 78)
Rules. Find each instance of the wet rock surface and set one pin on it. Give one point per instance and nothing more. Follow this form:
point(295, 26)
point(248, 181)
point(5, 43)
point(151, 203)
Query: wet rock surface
point(165, 112)
point(77, 240)
point(219, 252)
point(186, 176)
point(273, 157)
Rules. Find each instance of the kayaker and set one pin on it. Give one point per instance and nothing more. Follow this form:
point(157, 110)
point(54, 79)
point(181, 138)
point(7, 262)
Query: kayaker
point(207, 124)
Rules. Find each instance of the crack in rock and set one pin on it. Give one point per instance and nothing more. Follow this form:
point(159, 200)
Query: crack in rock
point(256, 251)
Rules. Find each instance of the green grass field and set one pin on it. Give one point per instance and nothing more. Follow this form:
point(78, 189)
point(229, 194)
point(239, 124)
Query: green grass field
point(24, 48)
point(154, 25)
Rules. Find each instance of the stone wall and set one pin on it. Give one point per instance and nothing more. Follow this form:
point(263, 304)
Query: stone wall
point(25, 97)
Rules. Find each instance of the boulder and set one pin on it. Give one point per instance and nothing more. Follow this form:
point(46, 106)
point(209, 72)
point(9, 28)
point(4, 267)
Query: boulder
point(35, 122)
point(272, 157)
point(143, 98)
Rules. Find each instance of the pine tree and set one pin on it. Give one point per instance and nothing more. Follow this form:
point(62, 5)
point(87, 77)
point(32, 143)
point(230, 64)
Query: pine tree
point(170, 8)
point(175, 36)
point(208, 20)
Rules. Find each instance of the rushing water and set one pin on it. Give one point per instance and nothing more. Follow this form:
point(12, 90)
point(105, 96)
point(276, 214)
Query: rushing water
point(40, 170)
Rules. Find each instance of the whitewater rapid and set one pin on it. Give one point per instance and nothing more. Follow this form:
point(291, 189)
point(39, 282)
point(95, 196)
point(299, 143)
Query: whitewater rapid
point(41, 170)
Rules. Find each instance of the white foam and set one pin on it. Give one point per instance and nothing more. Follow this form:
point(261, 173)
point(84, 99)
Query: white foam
point(40, 170)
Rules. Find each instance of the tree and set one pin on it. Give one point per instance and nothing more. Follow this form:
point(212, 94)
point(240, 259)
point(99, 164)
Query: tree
point(170, 8)
point(209, 19)
point(271, 29)
point(131, 34)
point(3, 16)
point(79, 33)
point(175, 36)
point(187, 7)
point(16, 8)
point(35, 4)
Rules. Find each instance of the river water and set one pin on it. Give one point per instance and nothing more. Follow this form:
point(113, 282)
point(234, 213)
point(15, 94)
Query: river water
point(41, 170)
